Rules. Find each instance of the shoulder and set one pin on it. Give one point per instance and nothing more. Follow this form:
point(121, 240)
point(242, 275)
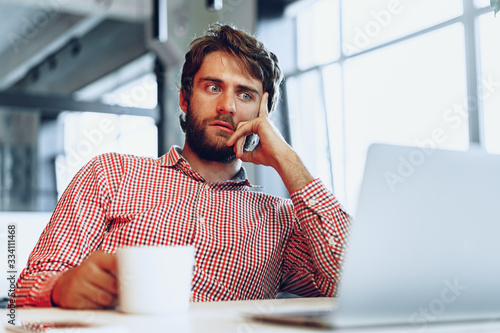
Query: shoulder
point(108, 159)
point(270, 201)
point(116, 164)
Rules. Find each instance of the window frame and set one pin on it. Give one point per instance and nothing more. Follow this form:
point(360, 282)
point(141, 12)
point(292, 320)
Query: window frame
point(470, 20)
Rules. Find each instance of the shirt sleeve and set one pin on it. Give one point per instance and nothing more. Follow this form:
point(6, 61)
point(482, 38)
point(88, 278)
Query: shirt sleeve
point(315, 251)
point(75, 230)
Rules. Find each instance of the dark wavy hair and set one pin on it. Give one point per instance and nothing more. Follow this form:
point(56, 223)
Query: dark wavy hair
point(255, 58)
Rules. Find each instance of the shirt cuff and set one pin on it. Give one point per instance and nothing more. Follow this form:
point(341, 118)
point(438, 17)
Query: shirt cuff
point(44, 293)
point(315, 197)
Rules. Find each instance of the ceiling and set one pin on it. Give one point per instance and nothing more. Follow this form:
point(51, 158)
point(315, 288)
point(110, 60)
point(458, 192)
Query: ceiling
point(59, 46)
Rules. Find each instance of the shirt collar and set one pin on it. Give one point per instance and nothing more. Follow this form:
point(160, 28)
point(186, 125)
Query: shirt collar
point(174, 159)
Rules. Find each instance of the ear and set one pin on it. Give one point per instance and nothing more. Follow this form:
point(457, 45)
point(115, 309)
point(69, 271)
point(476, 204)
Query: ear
point(183, 102)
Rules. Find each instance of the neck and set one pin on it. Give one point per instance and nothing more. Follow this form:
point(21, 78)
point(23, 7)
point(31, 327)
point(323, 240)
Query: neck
point(211, 171)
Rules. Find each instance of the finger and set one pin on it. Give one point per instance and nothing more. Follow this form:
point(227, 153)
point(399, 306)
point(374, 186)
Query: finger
point(96, 297)
point(82, 302)
point(240, 132)
point(85, 297)
point(102, 279)
point(103, 299)
point(99, 269)
point(239, 146)
point(86, 286)
point(106, 261)
point(263, 111)
point(239, 136)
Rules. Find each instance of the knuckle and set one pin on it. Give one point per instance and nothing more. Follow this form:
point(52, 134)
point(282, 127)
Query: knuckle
point(82, 303)
point(104, 298)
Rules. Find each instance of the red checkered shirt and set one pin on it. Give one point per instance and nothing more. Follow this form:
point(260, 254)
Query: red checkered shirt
point(249, 245)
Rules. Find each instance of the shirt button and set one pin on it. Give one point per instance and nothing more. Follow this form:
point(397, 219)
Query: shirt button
point(202, 219)
point(312, 202)
point(331, 241)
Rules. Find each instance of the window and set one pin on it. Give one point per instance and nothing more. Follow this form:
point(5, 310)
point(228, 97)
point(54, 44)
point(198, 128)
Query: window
point(315, 26)
point(88, 134)
point(481, 3)
point(489, 97)
point(392, 71)
point(307, 122)
point(404, 94)
point(370, 23)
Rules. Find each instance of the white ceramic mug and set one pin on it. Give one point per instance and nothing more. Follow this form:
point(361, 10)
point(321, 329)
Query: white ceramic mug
point(154, 279)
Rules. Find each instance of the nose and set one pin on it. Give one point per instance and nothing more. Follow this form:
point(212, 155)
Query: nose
point(226, 103)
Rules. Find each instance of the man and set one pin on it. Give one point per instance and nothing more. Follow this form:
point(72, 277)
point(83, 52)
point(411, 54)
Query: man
point(249, 245)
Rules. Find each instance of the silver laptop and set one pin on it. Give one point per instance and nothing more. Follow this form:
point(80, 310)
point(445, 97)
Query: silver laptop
point(425, 242)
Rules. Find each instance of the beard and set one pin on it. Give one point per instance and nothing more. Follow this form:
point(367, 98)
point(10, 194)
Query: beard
point(213, 149)
point(208, 148)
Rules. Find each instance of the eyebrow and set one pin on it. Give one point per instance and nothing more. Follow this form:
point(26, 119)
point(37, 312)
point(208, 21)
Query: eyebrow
point(240, 86)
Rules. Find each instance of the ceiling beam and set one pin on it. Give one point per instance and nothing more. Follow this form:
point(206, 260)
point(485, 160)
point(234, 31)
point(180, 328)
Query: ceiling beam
point(128, 10)
point(53, 105)
point(104, 49)
point(24, 53)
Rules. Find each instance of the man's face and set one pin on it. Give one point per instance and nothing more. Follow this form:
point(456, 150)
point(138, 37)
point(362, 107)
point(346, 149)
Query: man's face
point(223, 95)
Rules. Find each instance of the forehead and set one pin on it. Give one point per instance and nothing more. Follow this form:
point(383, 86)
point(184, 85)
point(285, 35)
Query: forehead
point(224, 66)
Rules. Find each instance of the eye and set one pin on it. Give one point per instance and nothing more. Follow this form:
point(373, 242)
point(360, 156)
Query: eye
point(246, 96)
point(213, 88)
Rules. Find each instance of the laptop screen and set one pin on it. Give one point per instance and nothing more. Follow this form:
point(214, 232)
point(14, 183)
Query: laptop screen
point(425, 242)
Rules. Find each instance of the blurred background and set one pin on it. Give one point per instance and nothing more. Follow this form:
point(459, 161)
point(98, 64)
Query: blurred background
point(83, 77)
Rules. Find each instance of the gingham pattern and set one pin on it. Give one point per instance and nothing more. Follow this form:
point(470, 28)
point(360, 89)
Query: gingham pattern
point(249, 245)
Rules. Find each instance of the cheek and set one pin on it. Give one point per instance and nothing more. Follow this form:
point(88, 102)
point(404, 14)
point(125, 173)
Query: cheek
point(200, 105)
point(194, 99)
point(248, 111)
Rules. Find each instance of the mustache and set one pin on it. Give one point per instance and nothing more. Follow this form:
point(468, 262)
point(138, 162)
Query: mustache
point(224, 118)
